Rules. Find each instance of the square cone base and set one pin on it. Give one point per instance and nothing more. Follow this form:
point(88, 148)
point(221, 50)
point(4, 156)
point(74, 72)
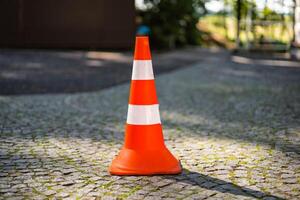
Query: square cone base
point(146, 162)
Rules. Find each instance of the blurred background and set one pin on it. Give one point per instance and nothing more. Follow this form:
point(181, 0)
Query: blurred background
point(250, 24)
point(242, 24)
point(66, 46)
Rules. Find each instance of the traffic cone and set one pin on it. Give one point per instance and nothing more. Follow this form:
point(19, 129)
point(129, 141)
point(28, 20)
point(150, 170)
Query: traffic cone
point(144, 151)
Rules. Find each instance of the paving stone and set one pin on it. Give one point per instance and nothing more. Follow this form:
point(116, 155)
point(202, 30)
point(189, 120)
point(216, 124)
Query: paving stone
point(269, 198)
point(14, 198)
point(109, 198)
point(67, 183)
point(49, 192)
point(208, 185)
point(62, 195)
point(234, 127)
point(290, 180)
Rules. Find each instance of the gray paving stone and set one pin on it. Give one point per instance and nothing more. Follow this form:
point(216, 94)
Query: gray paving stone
point(235, 129)
point(62, 195)
point(49, 192)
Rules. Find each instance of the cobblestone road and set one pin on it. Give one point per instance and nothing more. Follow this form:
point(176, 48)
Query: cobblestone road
point(235, 128)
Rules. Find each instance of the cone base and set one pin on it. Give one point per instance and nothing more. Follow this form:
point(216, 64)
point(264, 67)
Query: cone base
point(150, 162)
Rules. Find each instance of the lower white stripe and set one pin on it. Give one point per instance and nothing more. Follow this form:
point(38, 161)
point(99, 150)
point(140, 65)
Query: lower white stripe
point(142, 70)
point(143, 114)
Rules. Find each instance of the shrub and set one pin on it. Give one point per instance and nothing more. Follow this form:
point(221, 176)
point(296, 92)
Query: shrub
point(172, 22)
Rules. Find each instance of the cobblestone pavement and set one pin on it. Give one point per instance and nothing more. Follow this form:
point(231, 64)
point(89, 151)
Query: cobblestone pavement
point(235, 128)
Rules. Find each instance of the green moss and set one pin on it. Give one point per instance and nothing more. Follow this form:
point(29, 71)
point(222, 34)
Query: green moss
point(251, 181)
point(258, 147)
point(231, 175)
point(178, 129)
point(249, 177)
point(77, 198)
point(132, 191)
point(270, 151)
point(36, 191)
point(108, 194)
point(106, 185)
point(87, 182)
point(243, 162)
point(231, 157)
point(49, 187)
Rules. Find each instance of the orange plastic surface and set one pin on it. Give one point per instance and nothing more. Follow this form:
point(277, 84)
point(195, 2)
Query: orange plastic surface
point(143, 92)
point(142, 48)
point(144, 153)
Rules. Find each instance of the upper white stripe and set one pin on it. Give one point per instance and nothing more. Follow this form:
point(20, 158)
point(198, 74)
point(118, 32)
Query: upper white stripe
point(142, 70)
point(143, 114)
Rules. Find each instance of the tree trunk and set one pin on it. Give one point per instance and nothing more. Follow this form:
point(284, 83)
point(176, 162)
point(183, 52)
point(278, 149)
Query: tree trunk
point(297, 23)
point(238, 18)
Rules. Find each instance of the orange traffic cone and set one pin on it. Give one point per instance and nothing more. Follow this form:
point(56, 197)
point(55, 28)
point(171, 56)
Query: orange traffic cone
point(144, 151)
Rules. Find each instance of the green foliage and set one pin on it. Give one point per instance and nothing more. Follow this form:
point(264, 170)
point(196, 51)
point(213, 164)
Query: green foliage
point(246, 6)
point(266, 14)
point(271, 15)
point(172, 22)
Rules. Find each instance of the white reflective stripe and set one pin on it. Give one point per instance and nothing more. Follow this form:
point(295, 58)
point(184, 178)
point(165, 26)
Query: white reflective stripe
point(143, 114)
point(142, 70)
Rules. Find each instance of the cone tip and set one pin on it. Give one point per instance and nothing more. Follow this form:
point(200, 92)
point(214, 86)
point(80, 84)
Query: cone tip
point(142, 37)
point(142, 48)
